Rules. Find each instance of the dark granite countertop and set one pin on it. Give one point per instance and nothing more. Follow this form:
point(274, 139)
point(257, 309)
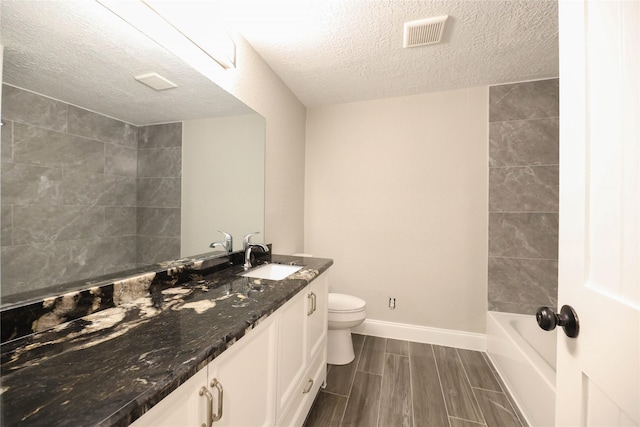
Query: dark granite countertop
point(109, 367)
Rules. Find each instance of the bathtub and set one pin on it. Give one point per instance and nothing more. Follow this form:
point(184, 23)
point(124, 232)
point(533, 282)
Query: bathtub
point(525, 357)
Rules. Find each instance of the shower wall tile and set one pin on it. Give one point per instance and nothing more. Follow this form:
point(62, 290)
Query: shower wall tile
point(82, 258)
point(523, 235)
point(98, 189)
point(160, 162)
point(102, 128)
point(120, 221)
point(25, 184)
point(157, 136)
point(159, 192)
point(523, 189)
point(117, 253)
point(120, 268)
point(524, 142)
point(37, 224)
point(33, 109)
point(154, 249)
point(521, 281)
point(6, 221)
point(523, 196)
point(43, 147)
point(162, 222)
point(6, 148)
point(17, 262)
point(68, 192)
point(528, 100)
point(120, 160)
point(512, 307)
point(533, 273)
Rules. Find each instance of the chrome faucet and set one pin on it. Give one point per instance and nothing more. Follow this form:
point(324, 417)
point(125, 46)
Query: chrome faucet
point(246, 240)
point(227, 244)
point(248, 247)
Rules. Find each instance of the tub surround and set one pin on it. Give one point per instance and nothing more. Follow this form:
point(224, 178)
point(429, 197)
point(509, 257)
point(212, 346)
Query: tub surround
point(134, 341)
point(524, 357)
point(523, 196)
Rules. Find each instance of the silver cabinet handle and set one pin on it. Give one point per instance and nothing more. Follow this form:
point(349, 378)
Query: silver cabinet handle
point(307, 389)
point(314, 297)
point(205, 392)
point(310, 298)
point(215, 383)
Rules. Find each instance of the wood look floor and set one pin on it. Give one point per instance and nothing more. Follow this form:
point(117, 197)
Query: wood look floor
point(400, 383)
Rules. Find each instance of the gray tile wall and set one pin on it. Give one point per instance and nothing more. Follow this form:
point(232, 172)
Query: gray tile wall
point(523, 196)
point(68, 192)
point(83, 191)
point(159, 192)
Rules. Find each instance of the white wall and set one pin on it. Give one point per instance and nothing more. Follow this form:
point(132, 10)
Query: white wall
point(216, 151)
point(258, 86)
point(396, 193)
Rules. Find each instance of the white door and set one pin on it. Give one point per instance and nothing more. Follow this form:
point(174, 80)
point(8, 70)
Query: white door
point(598, 380)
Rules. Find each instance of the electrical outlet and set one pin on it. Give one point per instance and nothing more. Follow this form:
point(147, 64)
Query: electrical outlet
point(392, 303)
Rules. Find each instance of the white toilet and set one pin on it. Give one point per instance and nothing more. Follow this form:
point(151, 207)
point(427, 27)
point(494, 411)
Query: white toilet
point(345, 312)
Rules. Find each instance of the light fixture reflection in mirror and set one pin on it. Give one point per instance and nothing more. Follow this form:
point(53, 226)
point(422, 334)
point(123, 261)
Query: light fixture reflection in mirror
point(196, 43)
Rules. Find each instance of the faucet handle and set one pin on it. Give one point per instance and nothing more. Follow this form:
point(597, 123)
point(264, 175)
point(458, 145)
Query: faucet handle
point(227, 237)
point(227, 244)
point(246, 241)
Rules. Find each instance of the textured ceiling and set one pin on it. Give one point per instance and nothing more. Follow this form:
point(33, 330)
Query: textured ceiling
point(333, 51)
point(326, 51)
point(81, 53)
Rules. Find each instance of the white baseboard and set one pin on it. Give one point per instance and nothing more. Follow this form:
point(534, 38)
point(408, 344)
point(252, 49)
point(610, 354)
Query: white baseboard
point(423, 334)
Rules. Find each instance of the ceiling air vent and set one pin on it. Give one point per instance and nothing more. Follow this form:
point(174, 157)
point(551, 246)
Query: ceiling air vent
point(424, 31)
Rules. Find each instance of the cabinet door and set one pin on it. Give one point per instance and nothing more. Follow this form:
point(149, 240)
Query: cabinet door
point(291, 349)
point(317, 321)
point(182, 407)
point(246, 376)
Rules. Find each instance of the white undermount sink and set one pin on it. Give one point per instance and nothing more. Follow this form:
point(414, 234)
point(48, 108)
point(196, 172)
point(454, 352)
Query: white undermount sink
point(272, 271)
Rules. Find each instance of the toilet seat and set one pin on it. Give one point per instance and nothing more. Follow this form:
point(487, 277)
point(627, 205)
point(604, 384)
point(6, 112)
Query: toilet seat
point(342, 303)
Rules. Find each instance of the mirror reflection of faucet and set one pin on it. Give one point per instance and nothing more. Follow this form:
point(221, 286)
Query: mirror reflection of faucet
point(227, 244)
point(249, 246)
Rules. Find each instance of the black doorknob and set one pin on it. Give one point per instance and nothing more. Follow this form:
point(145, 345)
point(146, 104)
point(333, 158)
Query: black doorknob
point(547, 319)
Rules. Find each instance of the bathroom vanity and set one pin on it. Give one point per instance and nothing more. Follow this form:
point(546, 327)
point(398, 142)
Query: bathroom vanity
point(181, 352)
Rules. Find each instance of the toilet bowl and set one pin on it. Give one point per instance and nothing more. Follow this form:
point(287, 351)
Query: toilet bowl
point(345, 312)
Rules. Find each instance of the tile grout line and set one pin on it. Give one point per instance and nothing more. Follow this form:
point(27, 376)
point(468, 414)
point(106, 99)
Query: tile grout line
point(504, 389)
point(486, 389)
point(413, 415)
point(464, 419)
point(334, 393)
point(542, 165)
point(384, 365)
point(527, 119)
point(444, 400)
point(470, 386)
point(356, 360)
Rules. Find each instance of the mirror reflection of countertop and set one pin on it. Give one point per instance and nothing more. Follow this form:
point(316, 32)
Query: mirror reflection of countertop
point(111, 366)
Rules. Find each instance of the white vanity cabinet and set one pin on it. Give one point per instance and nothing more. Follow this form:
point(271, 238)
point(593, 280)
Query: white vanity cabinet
point(269, 377)
point(237, 388)
point(182, 407)
point(302, 368)
point(247, 379)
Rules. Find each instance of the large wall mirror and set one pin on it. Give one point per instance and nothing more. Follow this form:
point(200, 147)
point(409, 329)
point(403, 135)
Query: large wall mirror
point(101, 173)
